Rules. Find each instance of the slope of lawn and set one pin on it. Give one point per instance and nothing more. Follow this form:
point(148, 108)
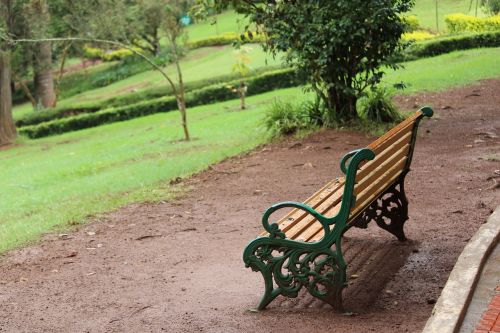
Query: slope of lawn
point(448, 70)
point(228, 21)
point(62, 179)
point(199, 64)
point(425, 10)
point(59, 180)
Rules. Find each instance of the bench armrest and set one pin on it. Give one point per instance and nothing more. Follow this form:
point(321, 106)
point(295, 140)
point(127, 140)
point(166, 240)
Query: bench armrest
point(273, 228)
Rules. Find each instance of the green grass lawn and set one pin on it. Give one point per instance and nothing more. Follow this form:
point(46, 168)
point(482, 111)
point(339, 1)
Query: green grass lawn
point(448, 70)
point(228, 21)
point(425, 10)
point(62, 179)
point(199, 64)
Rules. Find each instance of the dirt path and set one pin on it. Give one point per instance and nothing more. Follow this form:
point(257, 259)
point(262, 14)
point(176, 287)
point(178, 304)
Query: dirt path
point(176, 266)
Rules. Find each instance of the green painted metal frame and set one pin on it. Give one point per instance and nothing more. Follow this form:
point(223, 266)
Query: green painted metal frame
point(288, 265)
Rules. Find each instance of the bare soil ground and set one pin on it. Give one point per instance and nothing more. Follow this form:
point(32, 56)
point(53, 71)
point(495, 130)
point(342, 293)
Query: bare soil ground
point(177, 267)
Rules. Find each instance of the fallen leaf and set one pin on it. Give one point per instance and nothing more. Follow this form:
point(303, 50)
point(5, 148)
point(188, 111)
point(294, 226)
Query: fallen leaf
point(148, 236)
point(72, 254)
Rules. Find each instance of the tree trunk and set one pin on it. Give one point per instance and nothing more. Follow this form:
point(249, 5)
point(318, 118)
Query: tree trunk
point(7, 128)
point(181, 104)
point(242, 101)
point(243, 92)
point(57, 82)
point(342, 105)
point(181, 101)
point(24, 88)
point(44, 81)
point(156, 43)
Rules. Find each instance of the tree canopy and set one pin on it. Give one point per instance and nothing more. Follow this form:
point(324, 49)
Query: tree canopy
point(342, 47)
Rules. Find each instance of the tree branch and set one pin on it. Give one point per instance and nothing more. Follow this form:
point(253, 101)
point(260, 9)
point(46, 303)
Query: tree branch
point(95, 40)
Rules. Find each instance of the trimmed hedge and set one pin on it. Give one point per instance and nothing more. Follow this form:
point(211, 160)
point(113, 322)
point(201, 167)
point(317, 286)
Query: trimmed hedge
point(417, 36)
point(38, 117)
point(161, 91)
point(78, 82)
point(412, 22)
point(227, 39)
point(216, 93)
point(458, 23)
point(449, 44)
point(107, 55)
point(418, 50)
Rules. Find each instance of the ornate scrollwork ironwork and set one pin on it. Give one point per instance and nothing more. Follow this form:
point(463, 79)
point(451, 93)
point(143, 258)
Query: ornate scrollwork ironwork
point(389, 211)
point(288, 269)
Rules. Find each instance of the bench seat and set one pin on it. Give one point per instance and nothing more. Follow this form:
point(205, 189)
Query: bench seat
point(372, 189)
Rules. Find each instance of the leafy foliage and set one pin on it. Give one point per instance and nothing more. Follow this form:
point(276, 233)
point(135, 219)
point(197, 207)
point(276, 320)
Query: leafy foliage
point(493, 6)
point(417, 36)
point(228, 38)
point(341, 46)
point(444, 45)
point(95, 117)
point(95, 53)
point(378, 107)
point(457, 23)
point(285, 118)
point(412, 22)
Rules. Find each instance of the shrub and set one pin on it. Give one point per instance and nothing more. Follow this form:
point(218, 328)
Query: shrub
point(286, 118)
point(95, 53)
point(160, 91)
point(457, 23)
point(45, 115)
point(216, 93)
point(417, 36)
point(412, 22)
point(92, 53)
point(78, 82)
point(316, 112)
point(227, 39)
point(99, 118)
point(262, 84)
point(378, 107)
point(493, 6)
point(444, 45)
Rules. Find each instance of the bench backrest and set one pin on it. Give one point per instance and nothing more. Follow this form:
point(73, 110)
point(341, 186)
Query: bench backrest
point(393, 155)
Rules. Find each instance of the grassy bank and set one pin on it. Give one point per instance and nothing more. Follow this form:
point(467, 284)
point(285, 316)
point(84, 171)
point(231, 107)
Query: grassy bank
point(60, 180)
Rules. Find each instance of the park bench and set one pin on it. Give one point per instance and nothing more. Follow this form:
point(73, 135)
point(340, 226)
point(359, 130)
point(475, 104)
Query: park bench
point(303, 248)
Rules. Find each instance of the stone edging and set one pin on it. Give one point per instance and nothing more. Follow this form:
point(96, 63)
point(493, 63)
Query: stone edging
point(449, 311)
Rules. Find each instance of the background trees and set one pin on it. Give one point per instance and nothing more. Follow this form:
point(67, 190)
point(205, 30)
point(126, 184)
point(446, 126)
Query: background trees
point(7, 21)
point(35, 25)
point(146, 18)
point(37, 20)
point(342, 47)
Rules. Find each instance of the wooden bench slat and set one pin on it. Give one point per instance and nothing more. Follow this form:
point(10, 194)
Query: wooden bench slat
point(296, 215)
point(298, 229)
point(374, 190)
point(381, 142)
point(317, 232)
point(373, 175)
point(300, 225)
point(379, 159)
point(368, 185)
point(317, 227)
point(369, 175)
point(369, 179)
